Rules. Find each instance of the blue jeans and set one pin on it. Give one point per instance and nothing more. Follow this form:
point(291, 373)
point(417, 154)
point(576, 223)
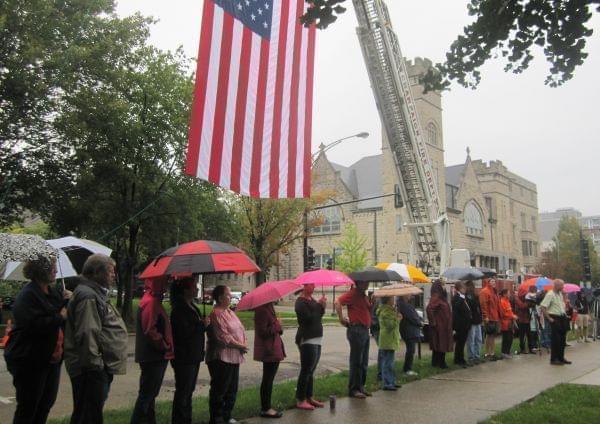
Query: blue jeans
point(474, 342)
point(388, 370)
point(545, 341)
point(358, 337)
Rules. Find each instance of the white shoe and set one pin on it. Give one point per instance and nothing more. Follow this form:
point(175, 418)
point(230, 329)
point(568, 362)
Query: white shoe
point(410, 373)
point(232, 421)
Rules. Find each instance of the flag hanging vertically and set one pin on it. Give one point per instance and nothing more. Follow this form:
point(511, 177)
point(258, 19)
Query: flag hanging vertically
point(251, 119)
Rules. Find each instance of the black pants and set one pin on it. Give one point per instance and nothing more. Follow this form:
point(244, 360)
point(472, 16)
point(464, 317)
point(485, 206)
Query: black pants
point(438, 359)
point(409, 356)
point(507, 339)
point(90, 390)
point(558, 338)
point(309, 358)
point(151, 379)
point(266, 385)
point(224, 379)
point(459, 346)
point(358, 338)
point(525, 333)
point(36, 387)
point(186, 376)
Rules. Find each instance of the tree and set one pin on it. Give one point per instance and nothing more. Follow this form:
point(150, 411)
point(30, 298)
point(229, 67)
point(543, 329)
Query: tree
point(564, 259)
point(509, 28)
point(354, 254)
point(47, 48)
point(269, 226)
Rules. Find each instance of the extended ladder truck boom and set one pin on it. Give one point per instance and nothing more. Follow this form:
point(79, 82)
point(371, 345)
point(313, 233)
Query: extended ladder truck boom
point(428, 221)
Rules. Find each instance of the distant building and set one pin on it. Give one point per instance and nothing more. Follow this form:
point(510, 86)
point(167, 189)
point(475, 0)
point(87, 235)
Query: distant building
point(549, 221)
point(493, 212)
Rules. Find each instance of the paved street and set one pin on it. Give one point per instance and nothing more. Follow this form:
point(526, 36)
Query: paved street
point(124, 389)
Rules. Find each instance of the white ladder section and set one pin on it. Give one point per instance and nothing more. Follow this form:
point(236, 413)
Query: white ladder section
point(399, 117)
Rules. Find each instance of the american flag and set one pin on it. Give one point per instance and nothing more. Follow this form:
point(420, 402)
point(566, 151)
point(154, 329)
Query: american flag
point(251, 120)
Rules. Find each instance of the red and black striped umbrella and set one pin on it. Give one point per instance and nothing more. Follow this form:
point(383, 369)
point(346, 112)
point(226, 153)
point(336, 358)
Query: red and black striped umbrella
point(200, 257)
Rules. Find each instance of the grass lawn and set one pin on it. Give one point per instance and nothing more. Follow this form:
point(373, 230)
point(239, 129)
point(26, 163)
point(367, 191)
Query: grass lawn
point(564, 403)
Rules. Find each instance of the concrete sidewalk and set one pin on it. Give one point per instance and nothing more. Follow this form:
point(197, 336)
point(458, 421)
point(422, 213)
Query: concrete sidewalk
point(464, 396)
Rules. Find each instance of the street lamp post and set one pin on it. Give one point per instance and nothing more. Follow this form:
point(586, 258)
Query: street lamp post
point(322, 149)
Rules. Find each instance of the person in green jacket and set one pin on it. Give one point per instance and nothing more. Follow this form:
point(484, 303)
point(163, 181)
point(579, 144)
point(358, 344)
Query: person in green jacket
point(389, 341)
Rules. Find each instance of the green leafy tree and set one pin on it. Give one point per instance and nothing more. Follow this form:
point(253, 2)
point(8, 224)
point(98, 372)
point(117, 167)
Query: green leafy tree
point(564, 259)
point(508, 28)
point(354, 253)
point(48, 48)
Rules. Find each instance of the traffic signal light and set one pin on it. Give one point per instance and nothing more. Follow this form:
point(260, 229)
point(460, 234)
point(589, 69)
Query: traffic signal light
point(330, 264)
point(310, 258)
point(585, 257)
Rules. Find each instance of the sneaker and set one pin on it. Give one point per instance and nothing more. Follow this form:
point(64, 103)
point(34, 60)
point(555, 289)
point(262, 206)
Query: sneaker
point(305, 405)
point(390, 388)
point(506, 356)
point(410, 373)
point(357, 395)
point(232, 421)
point(366, 393)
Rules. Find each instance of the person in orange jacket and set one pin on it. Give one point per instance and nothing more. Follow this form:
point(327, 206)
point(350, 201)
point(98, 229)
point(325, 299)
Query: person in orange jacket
point(507, 321)
point(490, 312)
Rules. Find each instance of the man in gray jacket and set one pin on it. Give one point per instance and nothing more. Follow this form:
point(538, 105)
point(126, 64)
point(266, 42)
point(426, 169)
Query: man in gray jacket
point(95, 340)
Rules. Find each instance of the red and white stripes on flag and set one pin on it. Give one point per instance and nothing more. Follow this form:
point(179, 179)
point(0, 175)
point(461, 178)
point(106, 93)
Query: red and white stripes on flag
point(251, 121)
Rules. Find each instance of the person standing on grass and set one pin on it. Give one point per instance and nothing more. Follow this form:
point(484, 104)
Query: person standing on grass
point(153, 349)
point(357, 333)
point(553, 308)
point(309, 338)
point(439, 316)
point(410, 331)
point(507, 322)
point(461, 322)
point(268, 349)
point(490, 312)
point(583, 316)
point(475, 337)
point(189, 328)
point(389, 341)
point(225, 351)
point(95, 340)
point(34, 350)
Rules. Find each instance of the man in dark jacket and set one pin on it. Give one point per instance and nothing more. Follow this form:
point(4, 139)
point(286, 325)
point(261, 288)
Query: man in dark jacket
point(153, 349)
point(475, 336)
point(410, 330)
point(461, 322)
point(95, 340)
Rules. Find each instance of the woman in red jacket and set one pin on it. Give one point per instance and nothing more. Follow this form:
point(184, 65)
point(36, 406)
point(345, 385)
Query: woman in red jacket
point(268, 349)
point(507, 320)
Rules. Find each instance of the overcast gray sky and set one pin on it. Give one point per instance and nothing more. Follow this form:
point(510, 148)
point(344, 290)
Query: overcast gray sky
point(550, 136)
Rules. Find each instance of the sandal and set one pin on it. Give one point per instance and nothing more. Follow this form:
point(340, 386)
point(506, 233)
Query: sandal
point(305, 405)
point(316, 403)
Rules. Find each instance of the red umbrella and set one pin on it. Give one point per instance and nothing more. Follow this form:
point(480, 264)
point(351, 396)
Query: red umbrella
point(266, 293)
point(199, 257)
point(324, 278)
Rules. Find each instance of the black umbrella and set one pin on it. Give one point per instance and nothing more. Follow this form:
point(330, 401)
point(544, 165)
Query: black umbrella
point(487, 272)
point(462, 274)
point(374, 275)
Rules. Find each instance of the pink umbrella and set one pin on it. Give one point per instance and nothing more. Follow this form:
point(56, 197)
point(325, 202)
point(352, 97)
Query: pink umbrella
point(324, 278)
point(266, 293)
point(571, 288)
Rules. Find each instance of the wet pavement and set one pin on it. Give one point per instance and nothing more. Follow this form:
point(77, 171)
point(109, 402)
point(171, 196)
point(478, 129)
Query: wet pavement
point(464, 396)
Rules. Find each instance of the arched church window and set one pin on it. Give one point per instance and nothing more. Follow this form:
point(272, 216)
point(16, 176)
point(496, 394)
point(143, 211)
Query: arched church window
point(431, 133)
point(473, 219)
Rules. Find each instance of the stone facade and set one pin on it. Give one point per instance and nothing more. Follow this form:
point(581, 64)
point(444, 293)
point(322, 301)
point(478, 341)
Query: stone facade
point(494, 198)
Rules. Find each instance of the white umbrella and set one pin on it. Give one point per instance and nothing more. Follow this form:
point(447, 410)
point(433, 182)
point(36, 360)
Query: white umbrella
point(72, 252)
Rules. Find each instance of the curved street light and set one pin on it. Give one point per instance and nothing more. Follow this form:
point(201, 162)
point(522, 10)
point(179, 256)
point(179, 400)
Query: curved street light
point(325, 147)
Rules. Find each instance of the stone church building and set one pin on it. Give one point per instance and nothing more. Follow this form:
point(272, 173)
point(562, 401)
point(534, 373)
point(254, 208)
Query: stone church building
point(492, 211)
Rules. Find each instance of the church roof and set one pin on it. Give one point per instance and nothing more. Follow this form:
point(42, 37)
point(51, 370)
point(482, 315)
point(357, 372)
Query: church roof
point(363, 179)
point(454, 174)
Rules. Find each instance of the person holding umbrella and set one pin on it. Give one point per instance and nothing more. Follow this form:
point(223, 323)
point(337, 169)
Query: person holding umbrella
point(309, 337)
point(189, 328)
point(33, 353)
point(410, 330)
point(225, 351)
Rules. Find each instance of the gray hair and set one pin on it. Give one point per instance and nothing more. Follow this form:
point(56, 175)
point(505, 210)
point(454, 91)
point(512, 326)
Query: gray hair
point(96, 264)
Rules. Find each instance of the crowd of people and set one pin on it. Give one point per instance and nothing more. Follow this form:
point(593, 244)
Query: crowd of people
point(85, 330)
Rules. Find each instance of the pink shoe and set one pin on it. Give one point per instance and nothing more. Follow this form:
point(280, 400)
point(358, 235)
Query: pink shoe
point(316, 403)
point(305, 405)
